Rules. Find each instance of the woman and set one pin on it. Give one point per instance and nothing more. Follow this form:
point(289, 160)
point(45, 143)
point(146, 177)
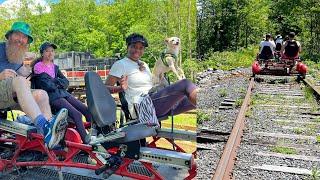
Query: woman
point(48, 77)
point(135, 79)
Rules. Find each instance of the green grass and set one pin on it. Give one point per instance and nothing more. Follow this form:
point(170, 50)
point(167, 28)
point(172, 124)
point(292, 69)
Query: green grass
point(249, 113)
point(318, 138)
point(308, 94)
point(202, 116)
point(316, 120)
point(225, 60)
point(283, 150)
point(298, 130)
point(315, 174)
point(282, 123)
point(222, 92)
point(187, 119)
point(313, 69)
point(238, 102)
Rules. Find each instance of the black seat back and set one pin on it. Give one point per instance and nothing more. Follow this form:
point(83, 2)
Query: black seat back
point(292, 49)
point(266, 53)
point(278, 46)
point(99, 100)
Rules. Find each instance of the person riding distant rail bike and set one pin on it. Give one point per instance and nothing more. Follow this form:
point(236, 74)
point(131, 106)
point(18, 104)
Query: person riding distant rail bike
point(267, 48)
point(291, 48)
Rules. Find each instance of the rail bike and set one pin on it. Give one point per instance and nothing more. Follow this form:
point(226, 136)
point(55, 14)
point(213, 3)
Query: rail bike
point(279, 66)
point(112, 152)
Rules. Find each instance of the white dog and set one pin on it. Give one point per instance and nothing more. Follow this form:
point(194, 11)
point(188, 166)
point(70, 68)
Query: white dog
point(168, 62)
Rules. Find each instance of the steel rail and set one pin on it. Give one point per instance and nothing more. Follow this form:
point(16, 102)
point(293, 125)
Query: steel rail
point(310, 84)
point(228, 158)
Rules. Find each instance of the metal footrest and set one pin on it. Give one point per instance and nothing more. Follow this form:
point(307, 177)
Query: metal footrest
point(135, 132)
point(166, 157)
point(17, 128)
point(177, 134)
point(108, 138)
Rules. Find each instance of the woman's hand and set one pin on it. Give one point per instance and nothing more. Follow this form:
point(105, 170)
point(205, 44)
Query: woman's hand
point(124, 82)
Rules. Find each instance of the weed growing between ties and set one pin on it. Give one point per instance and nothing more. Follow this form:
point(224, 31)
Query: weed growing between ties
point(315, 174)
point(202, 116)
point(283, 150)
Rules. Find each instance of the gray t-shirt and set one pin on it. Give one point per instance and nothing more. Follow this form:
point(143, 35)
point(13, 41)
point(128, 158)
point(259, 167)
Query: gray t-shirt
point(4, 63)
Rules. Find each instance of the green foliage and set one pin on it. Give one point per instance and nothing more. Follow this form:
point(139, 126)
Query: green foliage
point(315, 174)
point(313, 68)
point(202, 116)
point(298, 130)
point(191, 67)
point(227, 60)
point(316, 120)
point(284, 150)
point(84, 25)
point(225, 25)
point(222, 92)
point(318, 138)
point(308, 94)
point(249, 113)
point(238, 102)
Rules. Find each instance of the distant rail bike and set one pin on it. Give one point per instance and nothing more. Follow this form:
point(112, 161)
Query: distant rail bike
point(279, 66)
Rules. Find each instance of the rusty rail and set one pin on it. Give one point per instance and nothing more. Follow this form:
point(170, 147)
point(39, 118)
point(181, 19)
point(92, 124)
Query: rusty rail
point(226, 163)
point(310, 84)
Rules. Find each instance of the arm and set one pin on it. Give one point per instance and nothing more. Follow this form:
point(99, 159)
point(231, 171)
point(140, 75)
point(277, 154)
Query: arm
point(299, 46)
point(111, 81)
point(45, 82)
point(283, 47)
point(61, 81)
point(116, 74)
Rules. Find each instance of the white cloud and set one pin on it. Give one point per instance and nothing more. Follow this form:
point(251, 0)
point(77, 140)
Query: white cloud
point(9, 8)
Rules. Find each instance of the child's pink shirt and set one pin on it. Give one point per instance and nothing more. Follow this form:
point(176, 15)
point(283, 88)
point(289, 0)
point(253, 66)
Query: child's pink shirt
point(40, 67)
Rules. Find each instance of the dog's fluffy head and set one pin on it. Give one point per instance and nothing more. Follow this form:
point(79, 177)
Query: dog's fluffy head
point(173, 43)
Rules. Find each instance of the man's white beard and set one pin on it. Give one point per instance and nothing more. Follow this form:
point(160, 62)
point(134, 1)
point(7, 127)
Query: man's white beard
point(15, 53)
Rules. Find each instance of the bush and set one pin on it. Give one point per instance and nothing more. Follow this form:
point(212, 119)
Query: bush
point(227, 60)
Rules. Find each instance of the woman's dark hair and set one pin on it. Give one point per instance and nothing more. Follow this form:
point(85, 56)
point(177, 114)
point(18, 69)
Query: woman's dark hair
point(268, 36)
point(135, 37)
point(292, 34)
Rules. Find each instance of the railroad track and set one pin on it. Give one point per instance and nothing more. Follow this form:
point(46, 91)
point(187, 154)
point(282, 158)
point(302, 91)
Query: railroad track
point(277, 130)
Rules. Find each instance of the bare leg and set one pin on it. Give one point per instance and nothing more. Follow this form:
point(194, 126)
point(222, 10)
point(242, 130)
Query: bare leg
point(25, 98)
point(42, 99)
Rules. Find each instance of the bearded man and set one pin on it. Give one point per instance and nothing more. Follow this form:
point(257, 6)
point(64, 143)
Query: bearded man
point(15, 88)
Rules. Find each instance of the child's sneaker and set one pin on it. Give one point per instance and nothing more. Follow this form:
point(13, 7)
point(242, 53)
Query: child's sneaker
point(55, 129)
